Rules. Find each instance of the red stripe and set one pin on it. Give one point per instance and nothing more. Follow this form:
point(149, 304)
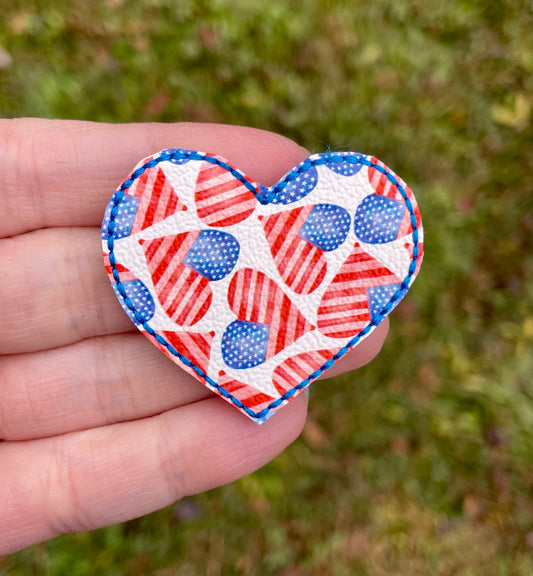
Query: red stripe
point(246, 289)
point(172, 206)
point(281, 337)
point(204, 308)
point(345, 333)
point(353, 319)
point(155, 197)
point(228, 211)
point(357, 257)
point(292, 254)
point(194, 346)
point(314, 275)
point(298, 263)
point(181, 279)
point(287, 380)
point(202, 343)
point(298, 371)
point(152, 246)
point(284, 234)
point(140, 187)
point(269, 223)
point(284, 255)
point(312, 267)
point(256, 298)
point(333, 308)
point(209, 171)
point(294, 370)
point(220, 189)
point(277, 227)
point(257, 399)
point(152, 249)
point(173, 308)
point(167, 197)
point(200, 292)
point(166, 249)
point(109, 269)
point(187, 297)
point(243, 202)
point(166, 259)
point(405, 226)
point(229, 220)
point(248, 395)
point(363, 267)
point(373, 273)
point(334, 292)
point(274, 298)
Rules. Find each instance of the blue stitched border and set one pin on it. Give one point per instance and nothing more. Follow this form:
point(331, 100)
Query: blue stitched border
point(292, 175)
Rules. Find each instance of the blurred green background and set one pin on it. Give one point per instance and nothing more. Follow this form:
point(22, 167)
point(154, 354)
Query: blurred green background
point(420, 463)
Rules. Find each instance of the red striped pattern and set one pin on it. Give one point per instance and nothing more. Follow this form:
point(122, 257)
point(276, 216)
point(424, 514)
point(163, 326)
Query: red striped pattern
point(254, 297)
point(405, 225)
point(384, 187)
point(157, 199)
point(193, 345)
point(125, 274)
point(295, 370)
point(248, 395)
point(221, 199)
point(301, 264)
point(184, 294)
point(344, 310)
point(409, 246)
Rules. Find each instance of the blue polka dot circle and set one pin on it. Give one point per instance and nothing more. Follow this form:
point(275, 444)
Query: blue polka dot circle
point(213, 254)
point(126, 211)
point(343, 164)
point(326, 226)
point(379, 296)
point(298, 188)
point(244, 344)
point(378, 219)
point(178, 151)
point(140, 297)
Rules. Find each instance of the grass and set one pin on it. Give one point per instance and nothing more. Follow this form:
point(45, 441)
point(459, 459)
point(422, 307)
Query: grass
point(420, 463)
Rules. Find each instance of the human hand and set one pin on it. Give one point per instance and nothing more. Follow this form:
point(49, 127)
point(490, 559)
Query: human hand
point(97, 425)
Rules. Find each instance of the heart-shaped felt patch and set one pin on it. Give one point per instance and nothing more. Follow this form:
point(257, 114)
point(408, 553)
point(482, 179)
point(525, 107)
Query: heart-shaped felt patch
point(257, 291)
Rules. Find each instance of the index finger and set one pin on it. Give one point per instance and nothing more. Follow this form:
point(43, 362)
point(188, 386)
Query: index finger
point(63, 172)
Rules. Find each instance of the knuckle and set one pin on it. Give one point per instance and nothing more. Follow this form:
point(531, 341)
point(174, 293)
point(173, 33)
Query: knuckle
point(66, 510)
point(172, 463)
point(18, 174)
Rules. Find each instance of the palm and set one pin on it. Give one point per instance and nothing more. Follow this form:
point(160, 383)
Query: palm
point(98, 426)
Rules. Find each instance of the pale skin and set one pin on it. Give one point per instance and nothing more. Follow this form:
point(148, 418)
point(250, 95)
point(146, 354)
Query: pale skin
point(97, 425)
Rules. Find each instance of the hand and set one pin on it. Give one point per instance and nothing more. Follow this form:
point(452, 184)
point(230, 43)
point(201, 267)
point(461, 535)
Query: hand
point(97, 425)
